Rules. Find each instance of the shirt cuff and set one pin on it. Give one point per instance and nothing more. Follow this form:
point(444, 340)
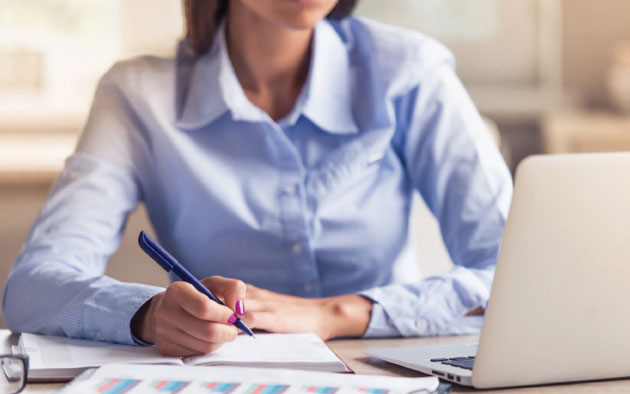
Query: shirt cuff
point(380, 326)
point(396, 315)
point(388, 317)
point(108, 313)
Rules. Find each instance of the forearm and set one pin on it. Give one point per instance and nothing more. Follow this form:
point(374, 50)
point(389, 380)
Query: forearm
point(56, 300)
point(347, 315)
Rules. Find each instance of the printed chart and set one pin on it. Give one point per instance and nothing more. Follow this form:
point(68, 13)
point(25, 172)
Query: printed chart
point(373, 391)
point(266, 389)
point(169, 386)
point(132, 386)
point(320, 390)
point(116, 386)
point(220, 388)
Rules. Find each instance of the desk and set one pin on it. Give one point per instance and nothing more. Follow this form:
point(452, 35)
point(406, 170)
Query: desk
point(350, 352)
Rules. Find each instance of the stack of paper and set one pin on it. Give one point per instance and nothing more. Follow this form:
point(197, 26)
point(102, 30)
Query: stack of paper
point(142, 379)
point(60, 359)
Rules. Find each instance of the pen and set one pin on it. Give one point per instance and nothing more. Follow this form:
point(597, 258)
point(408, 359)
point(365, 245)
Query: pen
point(169, 263)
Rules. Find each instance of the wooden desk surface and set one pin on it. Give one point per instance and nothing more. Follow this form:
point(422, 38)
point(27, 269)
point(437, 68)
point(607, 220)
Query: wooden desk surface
point(350, 352)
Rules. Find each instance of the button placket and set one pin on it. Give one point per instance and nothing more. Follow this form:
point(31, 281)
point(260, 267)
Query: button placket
point(291, 189)
point(297, 248)
point(294, 217)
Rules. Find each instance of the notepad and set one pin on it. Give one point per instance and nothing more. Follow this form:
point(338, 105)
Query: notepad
point(142, 379)
point(61, 359)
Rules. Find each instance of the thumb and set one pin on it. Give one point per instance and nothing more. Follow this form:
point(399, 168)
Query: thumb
point(232, 291)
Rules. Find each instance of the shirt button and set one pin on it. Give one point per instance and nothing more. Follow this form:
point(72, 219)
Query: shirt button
point(308, 288)
point(291, 189)
point(422, 324)
point(297, 248)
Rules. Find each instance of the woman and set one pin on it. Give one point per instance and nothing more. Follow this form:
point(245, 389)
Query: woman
point(281, 148)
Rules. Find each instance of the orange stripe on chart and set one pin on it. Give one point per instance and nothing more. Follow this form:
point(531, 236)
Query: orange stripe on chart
point(259, 389)
point(112, 382)
point(211, 385)
point(161, 384)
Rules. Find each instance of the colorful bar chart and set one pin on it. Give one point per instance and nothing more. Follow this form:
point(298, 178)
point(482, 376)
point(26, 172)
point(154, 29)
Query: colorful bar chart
point(266, 389)
point(169, 386)
point(131, 386)
point(374, 391)
point(321, 390)
point(116, 386)
point(221, 388)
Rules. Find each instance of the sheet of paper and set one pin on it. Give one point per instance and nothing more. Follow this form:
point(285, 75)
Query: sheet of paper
point(142, 379)
point(53, 356)
point(270, 348)
point(60, 352)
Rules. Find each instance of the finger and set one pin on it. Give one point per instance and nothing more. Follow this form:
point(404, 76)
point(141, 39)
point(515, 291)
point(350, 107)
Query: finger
point(175, 336)
point(476, 312)
point(186, 297)
point(256, 305)
point(200, 346)
point(168, 348)
point(201, 329)
point(232, 291)
point(268, 321)
point(211, 332)
point(266, 305)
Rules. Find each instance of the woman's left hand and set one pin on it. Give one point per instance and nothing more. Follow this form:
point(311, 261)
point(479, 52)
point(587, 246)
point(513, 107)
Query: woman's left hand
point(341, 316)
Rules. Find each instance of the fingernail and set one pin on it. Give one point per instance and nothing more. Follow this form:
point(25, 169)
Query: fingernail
point(240, 307)
point(232, 319)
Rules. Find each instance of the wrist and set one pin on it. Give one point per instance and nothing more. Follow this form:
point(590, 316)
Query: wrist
point(141, 321)
point(348, 315)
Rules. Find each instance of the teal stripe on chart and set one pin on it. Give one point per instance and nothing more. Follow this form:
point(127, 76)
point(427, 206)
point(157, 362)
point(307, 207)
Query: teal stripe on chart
point(167, 387)
point(121, 386)
point(232, 387)
point(273, 389)
point(173, 386)
point(221, 387)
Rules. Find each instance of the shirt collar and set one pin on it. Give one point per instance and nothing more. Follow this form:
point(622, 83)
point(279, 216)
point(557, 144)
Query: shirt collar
point(208, 87)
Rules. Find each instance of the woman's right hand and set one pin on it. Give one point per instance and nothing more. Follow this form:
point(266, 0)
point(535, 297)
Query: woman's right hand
point(181, 321)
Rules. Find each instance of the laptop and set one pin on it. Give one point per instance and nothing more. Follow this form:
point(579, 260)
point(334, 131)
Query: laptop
point(559, 310)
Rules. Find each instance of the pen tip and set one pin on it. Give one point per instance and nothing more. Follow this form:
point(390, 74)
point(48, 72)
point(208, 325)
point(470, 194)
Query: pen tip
point(253, 336)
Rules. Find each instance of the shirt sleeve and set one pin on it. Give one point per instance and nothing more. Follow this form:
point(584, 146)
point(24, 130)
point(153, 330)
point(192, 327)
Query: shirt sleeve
point(57, 285)
point(456, 166)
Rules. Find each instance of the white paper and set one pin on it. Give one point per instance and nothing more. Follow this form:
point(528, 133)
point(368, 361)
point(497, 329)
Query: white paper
point(300, 350)
point(52, 356)
point(139, 379)
point(50, 352)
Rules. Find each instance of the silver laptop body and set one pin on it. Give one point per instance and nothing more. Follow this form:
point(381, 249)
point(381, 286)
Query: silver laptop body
point(559, 310)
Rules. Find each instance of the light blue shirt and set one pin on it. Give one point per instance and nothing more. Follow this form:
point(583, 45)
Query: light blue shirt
point(314, 205)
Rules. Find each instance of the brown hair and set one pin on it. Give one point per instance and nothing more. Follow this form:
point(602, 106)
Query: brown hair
point(203, 16)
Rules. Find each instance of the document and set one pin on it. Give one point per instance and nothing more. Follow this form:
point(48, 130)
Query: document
point(60, 358)
point(143, 379)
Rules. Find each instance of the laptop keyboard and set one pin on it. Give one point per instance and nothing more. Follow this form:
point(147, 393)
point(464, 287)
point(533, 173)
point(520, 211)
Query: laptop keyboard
point(459, 362)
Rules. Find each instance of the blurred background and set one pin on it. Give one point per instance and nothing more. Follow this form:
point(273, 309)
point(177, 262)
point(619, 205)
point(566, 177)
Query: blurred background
point(550, 76)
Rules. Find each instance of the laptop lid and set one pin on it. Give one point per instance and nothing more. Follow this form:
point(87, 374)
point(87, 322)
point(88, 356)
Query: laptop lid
point(560, 304)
